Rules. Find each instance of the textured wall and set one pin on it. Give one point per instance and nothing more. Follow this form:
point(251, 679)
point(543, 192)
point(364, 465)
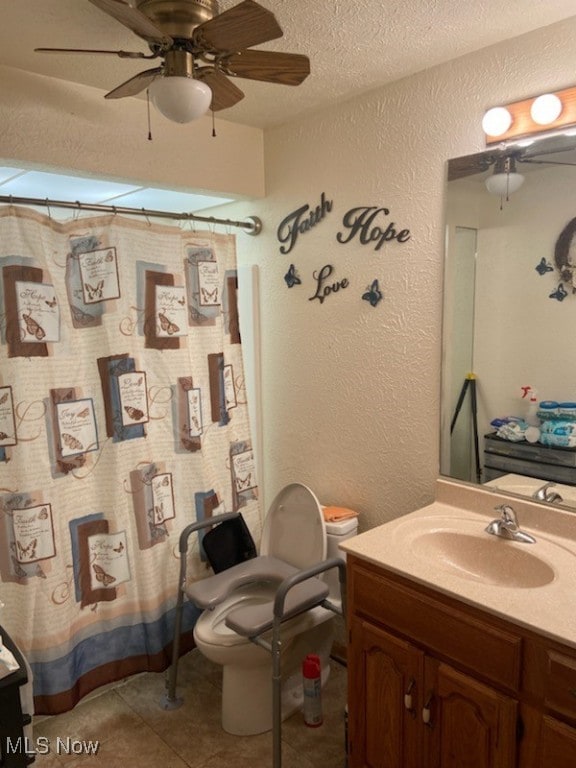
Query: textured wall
point(351, 393)
point(60, 125)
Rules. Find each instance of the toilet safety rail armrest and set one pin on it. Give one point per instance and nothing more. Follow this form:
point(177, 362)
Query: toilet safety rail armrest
point(292, 581)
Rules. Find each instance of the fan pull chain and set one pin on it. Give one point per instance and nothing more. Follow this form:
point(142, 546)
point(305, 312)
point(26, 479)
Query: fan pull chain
point(213, 126)
point(148, 112)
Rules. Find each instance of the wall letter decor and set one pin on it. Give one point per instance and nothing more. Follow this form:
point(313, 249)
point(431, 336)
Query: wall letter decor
point(360, 221)
point(323, 290)
point(295, 223)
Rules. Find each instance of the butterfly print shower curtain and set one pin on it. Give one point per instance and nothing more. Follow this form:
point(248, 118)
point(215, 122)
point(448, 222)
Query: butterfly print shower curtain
point(123, 418)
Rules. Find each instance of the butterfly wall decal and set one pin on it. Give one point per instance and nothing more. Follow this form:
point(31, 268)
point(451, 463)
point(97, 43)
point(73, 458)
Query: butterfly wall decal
point(4, 398)
point(4, 436)
point(52, 303)
point(559, 294)
point(83, 413)
point(167, 325)
point(543, 266)
point(104, 578)
point(119, 548)
point(291, 277)
point(373, 294)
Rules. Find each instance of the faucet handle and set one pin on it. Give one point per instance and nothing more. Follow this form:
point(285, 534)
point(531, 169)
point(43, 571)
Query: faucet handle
point(508, 516)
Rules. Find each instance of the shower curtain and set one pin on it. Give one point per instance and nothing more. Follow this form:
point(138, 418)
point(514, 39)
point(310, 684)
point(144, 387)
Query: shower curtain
point(123, 418)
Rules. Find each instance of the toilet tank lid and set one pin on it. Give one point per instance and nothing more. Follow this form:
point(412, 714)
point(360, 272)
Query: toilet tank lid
point(342, 527)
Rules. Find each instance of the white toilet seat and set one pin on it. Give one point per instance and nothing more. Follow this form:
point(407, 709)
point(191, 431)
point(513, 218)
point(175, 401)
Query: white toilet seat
point(211, 626)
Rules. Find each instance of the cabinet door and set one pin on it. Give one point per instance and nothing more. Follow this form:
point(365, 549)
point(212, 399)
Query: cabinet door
point(470, 725)
point(557, 745)
point(385, 676)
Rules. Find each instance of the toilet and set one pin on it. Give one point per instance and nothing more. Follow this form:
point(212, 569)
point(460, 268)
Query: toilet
point(294, 532)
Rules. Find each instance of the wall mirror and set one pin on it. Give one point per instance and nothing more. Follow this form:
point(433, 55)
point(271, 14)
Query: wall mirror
point(510, 318)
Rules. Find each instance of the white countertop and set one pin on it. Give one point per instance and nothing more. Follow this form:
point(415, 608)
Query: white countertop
point(549, 608)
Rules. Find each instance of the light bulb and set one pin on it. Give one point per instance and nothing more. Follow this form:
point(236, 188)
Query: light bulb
point(180, 99)
point(545, 109)
point(496, 121)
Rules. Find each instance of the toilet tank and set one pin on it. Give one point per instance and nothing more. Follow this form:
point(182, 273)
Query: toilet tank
point(336, 532)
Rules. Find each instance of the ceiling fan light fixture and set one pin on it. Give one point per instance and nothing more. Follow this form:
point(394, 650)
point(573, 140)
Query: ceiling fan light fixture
point(505, 180)
point(180, 98)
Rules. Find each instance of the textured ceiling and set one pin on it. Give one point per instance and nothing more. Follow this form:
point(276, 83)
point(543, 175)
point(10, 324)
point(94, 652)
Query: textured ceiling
point(353, 46)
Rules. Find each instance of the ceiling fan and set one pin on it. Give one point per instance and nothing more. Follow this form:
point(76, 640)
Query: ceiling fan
point(199, 50)
point(548, 150)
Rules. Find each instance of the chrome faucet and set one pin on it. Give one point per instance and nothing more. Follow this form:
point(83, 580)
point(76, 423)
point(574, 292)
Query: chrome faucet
point(507, 526)
point(545, 494)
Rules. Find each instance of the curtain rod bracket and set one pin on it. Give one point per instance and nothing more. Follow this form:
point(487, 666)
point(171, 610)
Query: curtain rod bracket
point(256, 227)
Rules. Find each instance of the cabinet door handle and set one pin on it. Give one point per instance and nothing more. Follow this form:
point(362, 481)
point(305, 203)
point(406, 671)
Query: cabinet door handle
point(408, 703)
point(426, 711)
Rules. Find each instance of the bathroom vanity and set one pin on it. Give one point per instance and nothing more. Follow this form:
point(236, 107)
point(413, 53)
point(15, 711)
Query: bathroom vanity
point(462, 644)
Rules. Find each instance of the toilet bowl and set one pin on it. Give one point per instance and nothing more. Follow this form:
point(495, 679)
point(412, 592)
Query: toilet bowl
point(294, 532)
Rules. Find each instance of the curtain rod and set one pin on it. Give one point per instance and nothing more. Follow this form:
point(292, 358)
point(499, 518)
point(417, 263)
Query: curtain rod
point(253, 225)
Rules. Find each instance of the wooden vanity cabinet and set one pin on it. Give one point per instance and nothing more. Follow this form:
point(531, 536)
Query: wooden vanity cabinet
point(435, 683)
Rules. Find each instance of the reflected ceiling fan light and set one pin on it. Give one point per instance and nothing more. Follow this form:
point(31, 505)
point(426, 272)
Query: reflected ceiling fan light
point(505, 180)
point(180, 98)
point(496, 121)
point(546, 109)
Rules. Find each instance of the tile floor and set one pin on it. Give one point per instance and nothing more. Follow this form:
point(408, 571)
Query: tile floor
point(133, 730)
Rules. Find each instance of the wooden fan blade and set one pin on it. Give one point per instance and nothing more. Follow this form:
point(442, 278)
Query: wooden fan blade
point(135, 85)
point(133, 19)
point(272, 67)
point(121, 54)
point(469, 165)
point(224, 93)
point(240, 27)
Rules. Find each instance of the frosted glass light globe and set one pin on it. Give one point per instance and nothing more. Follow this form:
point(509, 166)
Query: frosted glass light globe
point(504, 183)
point(545, 109)
point(496, 121)
point(180, 99)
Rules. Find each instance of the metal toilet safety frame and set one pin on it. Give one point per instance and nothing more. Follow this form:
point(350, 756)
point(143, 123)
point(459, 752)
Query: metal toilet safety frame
point(279, 613)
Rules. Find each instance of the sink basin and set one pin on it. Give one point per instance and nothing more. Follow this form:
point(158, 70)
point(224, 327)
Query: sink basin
point(484, 558)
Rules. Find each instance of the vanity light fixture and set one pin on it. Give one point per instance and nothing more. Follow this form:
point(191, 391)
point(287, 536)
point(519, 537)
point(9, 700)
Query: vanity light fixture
point(496, 121)
point(549, 112)
point(546, 109)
